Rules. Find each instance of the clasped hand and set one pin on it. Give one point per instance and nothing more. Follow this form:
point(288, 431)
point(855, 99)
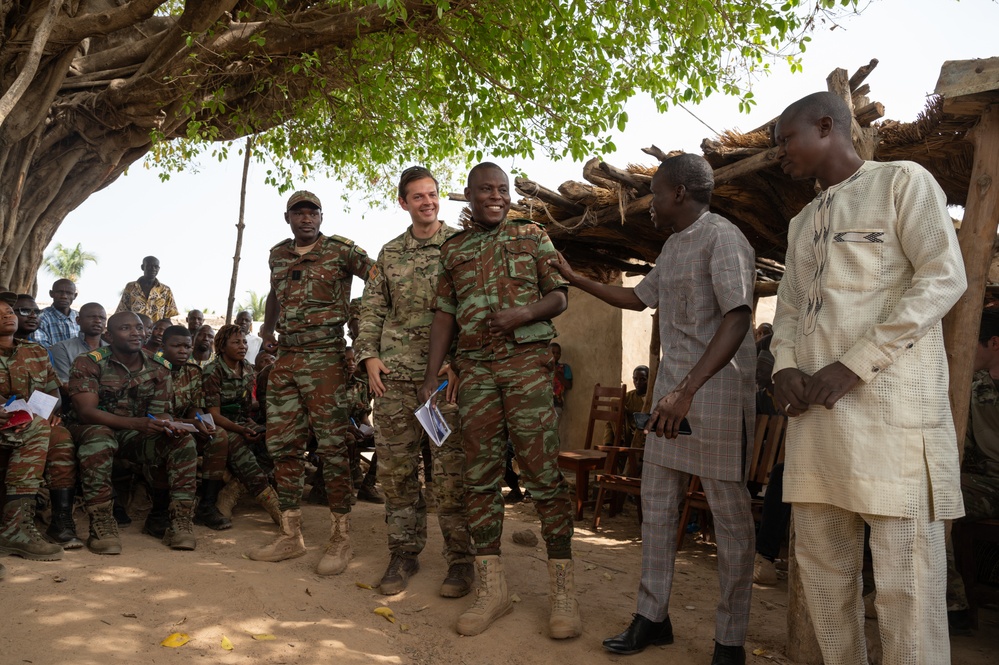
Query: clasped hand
point(795, 391)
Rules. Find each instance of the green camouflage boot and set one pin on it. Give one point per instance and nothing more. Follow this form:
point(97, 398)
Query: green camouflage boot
point(18, 535)
point(103, 530)
point(180, 534)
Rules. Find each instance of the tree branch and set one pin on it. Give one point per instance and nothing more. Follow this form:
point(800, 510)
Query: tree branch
point(27, 74)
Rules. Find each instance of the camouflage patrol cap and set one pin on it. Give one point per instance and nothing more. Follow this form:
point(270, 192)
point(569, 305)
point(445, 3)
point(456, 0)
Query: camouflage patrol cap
point(302, 196)
point(354, 309)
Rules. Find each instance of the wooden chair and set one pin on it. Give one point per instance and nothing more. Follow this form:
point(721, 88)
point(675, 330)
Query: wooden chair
point(607, 405)
point(616, 483)
point(768, 449)
point(965, 535)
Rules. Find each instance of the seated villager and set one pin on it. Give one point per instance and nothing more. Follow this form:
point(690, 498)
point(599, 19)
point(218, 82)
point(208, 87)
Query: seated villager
point(211, 441)
point(154, 342)
point(121, 407)
point(228, 385)
point(204, 345)
point(24, 450)
point(92, 321)
point(28, 317)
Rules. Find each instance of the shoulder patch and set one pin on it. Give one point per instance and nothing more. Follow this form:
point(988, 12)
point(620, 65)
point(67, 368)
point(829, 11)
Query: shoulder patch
point(341, 239)
point(162, 361)
point(100, 353)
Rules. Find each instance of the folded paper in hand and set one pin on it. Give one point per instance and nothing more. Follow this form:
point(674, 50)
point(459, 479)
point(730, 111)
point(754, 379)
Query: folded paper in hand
point(433, 422)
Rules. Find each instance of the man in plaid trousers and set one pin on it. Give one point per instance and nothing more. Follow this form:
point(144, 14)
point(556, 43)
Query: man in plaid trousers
point(702, 285)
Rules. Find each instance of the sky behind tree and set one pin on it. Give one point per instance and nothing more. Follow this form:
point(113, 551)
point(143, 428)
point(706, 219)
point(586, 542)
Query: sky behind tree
point(189, 221)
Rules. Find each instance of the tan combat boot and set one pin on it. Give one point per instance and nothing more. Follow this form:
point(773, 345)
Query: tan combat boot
point(180, 534)
point(229, 497)
point(104, 537)
point(268, 500)
point(564, 621)
point(339, 551)
point(18, 535)
point(289, 544)
point(492, 598)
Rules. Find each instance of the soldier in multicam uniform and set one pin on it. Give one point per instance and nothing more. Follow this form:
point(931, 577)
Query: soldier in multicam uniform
point(307, 304)
point(980, 469)
point(24, 368)
point(121, 406)
point(497, 293)
point(228, 384)
point(212, 444)
point(393, 345)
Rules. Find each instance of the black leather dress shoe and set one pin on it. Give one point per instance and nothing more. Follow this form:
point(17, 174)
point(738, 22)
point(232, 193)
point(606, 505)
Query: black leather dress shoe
point(726, 655)
point(641, 633)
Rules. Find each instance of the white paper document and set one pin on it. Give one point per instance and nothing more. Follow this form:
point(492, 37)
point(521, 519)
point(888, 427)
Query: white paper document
point(433, 422)
point(184, 427)
point(42, 404)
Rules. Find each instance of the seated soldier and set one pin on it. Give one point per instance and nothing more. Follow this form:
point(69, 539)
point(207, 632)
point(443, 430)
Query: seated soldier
point(212, 442)
point(121, 407)
point(980, 469)
point(228, 386)
point(204, 343)
point(24, 448)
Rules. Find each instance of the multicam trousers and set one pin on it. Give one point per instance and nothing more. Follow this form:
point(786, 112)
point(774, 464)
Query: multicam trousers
point(172, 459)
point(399, 450)
point(25, 453)
point(306, 393)
point(512, 398)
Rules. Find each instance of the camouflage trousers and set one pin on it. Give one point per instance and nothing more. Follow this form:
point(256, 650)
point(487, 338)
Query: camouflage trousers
point(245, 466)
point(399, 450)
point(60, 465)
point(511, 399)
point(214, 452)
point(22, 457)
point(173, 460)
point(981, 501)
point(306, 393)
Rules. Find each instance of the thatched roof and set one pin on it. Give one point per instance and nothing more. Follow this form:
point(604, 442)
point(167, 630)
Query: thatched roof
point(602, 224)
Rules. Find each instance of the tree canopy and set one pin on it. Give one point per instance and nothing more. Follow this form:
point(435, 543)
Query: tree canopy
point(356, 87)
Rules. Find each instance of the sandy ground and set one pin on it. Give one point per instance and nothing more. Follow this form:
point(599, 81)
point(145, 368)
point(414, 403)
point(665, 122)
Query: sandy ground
point(92, 610)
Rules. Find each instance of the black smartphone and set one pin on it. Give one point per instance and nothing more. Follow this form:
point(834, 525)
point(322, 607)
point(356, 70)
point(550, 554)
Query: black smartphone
point(642, 421)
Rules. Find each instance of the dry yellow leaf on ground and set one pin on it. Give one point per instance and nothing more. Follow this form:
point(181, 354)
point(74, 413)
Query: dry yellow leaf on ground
point(263, 637)
point(226, 643)
point(385, 612)
point(362, 585)
point(176, 640)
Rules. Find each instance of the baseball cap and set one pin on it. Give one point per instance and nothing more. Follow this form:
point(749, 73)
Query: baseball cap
point(302, 196)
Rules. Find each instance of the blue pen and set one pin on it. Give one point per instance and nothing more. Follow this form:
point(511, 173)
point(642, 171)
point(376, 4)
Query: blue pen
point(441, 387)
point(150, 416)
point(10, 400)
point(352, 422)
point(198, 416)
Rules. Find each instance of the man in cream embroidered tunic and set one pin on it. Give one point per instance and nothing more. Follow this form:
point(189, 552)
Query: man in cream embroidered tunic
point(872, 266)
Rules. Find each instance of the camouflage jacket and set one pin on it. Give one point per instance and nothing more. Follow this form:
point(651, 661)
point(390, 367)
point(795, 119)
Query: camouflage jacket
point(397, 309)
point(314, 289)
point(488, 270)
point(25, 368)
point(188, 392)
point(981, 444)
point(121, 392)
point(230, 393)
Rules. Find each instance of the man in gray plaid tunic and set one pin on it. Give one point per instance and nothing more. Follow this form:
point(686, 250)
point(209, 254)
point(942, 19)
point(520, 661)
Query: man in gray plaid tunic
point(703, 287)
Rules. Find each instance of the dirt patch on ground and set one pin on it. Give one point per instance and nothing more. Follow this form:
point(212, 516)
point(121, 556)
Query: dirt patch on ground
point(92, 610)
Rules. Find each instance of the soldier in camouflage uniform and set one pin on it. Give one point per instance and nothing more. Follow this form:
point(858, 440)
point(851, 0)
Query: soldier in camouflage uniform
point(497, 293)
point(24, 368)
point(212, 444)
point(393, 344)
point(121, 406)
point(307, 304)
point(229, 381)
point(980, 469)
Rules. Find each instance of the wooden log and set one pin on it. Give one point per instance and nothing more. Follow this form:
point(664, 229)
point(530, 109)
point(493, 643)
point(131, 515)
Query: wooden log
point(592, 173)
point(765, 289)
point(862, 73)
point(967, 86)
point(531, 188)
point(746, 166)
point(862, 91)
point(640, 182)
point(587, 195)
point(867, 114)
point(976, 237)
point(659, 154)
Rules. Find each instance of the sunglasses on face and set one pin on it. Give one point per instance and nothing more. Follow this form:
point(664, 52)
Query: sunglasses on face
point(28, 311)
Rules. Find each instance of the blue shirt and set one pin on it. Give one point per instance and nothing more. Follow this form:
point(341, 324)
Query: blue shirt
point(55, 327)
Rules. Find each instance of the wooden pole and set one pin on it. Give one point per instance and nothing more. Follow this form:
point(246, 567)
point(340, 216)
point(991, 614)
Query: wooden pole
point(976, 237)
point(239, 230)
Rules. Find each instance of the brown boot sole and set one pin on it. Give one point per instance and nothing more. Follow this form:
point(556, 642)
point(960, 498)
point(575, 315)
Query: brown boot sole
point(55, 556)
